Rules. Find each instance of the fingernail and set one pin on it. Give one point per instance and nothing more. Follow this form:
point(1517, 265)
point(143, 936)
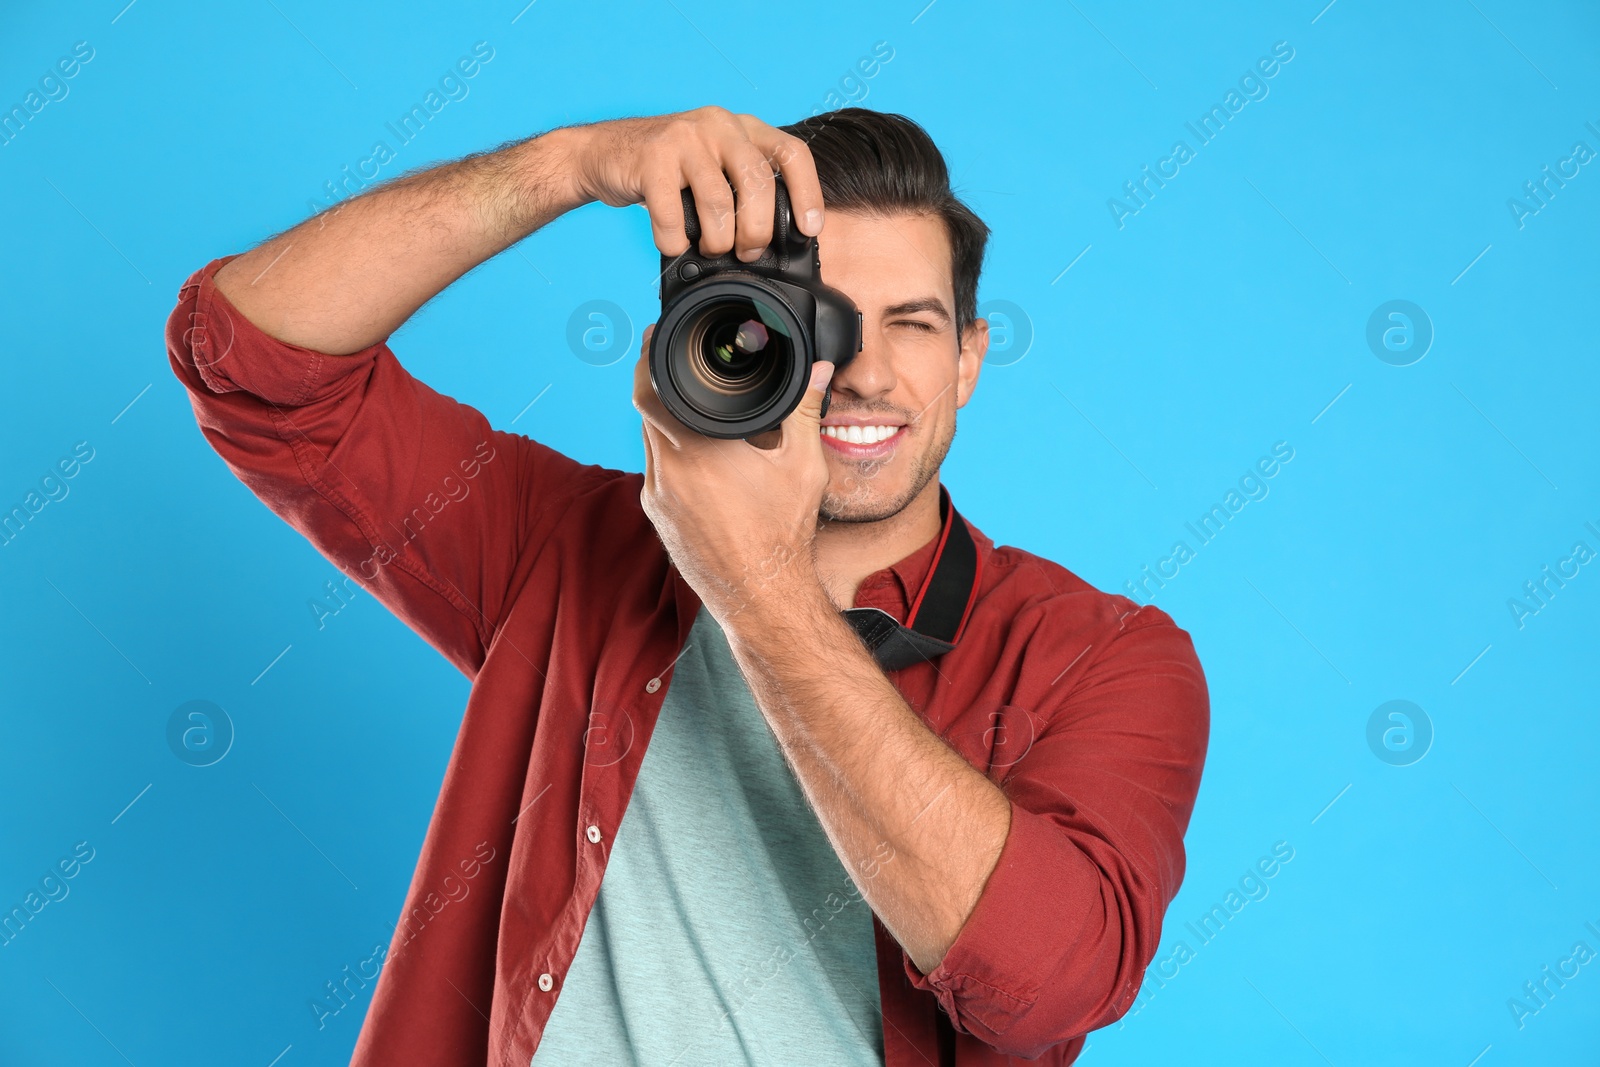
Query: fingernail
point(749, 255)
point(821, 372)
point(813, 222)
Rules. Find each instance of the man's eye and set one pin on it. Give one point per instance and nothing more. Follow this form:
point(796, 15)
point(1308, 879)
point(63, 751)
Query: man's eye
point(917, 325)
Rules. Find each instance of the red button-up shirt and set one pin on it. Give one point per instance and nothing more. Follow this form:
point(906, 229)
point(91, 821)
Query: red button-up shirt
point(542, 579)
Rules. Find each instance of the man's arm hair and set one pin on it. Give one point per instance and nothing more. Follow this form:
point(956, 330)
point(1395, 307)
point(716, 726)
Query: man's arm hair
point(349, 276)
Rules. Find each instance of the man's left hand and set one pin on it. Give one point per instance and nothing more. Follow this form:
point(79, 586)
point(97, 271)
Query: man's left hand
point(738, 517)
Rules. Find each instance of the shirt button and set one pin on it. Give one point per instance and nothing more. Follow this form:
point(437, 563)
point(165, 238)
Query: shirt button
point(652, 685)
point(545, 982)
point(594, 834)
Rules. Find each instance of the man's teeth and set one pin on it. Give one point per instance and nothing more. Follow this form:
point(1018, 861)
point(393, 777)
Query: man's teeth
point(861, 435)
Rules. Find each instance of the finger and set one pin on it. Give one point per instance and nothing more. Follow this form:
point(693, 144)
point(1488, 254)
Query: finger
point(644, 424)
point(652, 468)
point(793, 159)
point(649, 461)
point(751, 173)
point(713, 205)
point(663, 199)
point(649, 406)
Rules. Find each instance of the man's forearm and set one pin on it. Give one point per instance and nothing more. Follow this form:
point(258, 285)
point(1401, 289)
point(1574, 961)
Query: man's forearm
point(919, 829)
point(350, 276)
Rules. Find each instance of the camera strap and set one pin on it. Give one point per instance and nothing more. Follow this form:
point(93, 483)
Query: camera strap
point(940, 609)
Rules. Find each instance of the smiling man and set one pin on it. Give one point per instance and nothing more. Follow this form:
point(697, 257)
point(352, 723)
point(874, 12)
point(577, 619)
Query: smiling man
point(771, 756)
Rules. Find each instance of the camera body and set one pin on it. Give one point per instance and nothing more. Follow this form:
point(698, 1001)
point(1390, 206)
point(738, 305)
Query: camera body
point(732, 353)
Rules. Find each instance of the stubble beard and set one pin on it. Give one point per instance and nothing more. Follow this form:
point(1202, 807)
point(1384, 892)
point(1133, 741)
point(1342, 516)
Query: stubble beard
point(858, 501)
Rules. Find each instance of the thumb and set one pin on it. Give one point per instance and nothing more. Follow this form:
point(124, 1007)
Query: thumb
point(810, 407)
point(803, 422)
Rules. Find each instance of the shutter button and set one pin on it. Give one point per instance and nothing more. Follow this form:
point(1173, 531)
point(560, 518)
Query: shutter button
point(594, 834)
point(545, 982)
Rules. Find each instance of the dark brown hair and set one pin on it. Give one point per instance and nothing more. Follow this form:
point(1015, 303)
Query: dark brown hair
point(874, 162)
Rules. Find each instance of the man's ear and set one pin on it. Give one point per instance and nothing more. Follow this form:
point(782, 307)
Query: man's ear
point(974, 346)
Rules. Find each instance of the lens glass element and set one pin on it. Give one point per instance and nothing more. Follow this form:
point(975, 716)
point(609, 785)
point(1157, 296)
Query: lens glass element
point(737, 353)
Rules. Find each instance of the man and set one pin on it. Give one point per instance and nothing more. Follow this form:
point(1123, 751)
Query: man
point(689, 818)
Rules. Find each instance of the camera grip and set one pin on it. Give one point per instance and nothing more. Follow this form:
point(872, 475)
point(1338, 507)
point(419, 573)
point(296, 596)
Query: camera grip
point(782, 215)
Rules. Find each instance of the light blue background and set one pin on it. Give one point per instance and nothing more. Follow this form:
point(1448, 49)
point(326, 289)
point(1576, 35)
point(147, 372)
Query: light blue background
point(1224, 317)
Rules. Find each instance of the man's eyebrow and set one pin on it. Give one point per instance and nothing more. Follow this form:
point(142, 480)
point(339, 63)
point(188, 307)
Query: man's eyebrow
point(930, 304)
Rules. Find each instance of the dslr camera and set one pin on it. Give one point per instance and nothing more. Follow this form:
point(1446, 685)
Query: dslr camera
point(732, 353)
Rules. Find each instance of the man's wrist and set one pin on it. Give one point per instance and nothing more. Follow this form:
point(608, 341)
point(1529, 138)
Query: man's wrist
point(534, 182)
point(781, 612)
point(566, 149)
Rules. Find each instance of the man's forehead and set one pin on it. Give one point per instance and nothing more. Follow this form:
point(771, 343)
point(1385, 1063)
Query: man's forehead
point(886, 260)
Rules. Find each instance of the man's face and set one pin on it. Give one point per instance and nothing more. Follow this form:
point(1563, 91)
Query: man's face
point(910, 375)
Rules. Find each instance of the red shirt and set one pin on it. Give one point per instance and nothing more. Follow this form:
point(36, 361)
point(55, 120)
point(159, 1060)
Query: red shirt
point(542, 579)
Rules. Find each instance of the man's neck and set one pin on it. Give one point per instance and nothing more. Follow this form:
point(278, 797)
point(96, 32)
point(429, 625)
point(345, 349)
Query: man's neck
point(847, 552)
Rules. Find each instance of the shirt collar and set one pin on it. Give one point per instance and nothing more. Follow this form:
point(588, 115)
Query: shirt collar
point(894, 587)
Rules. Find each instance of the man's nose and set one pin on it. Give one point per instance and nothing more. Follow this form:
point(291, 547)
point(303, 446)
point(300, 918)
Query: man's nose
point(870, 373)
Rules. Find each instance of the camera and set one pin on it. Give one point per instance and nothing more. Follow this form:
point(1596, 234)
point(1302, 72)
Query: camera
point(732, 354)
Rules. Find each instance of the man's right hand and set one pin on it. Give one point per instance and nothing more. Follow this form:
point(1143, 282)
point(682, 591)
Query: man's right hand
point(724, 158)
point(349, 276)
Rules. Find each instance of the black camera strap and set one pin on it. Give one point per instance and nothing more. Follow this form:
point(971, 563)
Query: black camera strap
point(940, 609)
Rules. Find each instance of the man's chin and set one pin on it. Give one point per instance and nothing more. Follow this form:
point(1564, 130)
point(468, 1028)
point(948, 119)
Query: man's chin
point(872, 490)
point(870, 504)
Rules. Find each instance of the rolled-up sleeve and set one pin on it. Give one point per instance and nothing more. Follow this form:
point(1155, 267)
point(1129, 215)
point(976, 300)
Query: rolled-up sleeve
point(409, 492)
point(1071, 916)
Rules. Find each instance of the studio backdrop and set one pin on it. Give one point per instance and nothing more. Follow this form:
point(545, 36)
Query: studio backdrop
point(1293, 313)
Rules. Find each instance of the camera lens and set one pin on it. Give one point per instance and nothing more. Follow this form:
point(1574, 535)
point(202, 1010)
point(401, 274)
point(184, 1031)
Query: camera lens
point(732, 347)
point(730, 355)
point(738, 351)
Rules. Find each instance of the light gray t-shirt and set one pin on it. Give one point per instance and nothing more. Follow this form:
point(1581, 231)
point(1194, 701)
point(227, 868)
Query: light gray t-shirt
point(726, 930)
